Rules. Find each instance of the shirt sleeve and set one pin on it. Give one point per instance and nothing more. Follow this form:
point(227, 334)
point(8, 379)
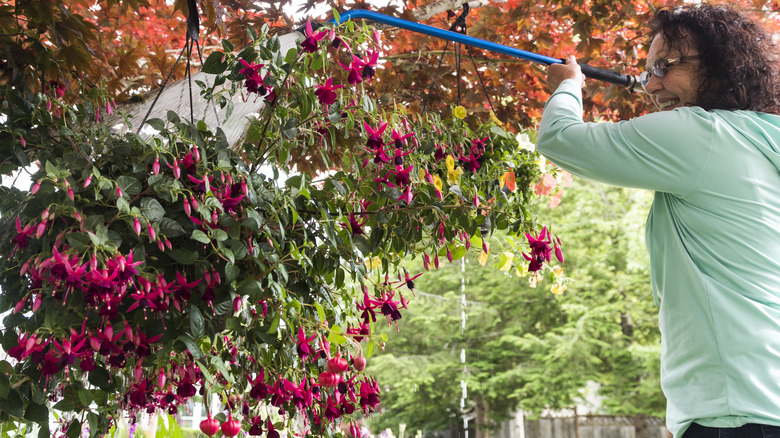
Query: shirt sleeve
point(665, 151)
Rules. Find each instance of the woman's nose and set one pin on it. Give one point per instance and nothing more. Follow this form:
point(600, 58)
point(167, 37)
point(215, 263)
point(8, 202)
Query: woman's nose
point(653, 85)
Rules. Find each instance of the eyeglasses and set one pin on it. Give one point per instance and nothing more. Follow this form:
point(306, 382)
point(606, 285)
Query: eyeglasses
point(660, 67)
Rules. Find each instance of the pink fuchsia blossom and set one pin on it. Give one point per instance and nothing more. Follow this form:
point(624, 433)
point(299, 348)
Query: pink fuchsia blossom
point(399, 141)
point(310, 44)
point(402, 175)
point(304, 348)
point(357, 70)
point(325, 92)
point(478, 145)
point(21, 240)
point(369, 64)
point(540, 250)
point(369, 395)
point(375, 135)
point(254, 82)
point(355, 227)
point(470, 161)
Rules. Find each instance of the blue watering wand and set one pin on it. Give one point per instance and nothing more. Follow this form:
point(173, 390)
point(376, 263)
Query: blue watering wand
point(629, 81)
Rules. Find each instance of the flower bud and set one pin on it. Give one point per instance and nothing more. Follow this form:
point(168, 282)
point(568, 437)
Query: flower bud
point(137, 226)
point(88, 181)
point(20, 305)
point(37, 303)
point(118, 191)
point(152, 233)
point(71, 195)
point(156, 166)
point(40, 230)
point(35, 187)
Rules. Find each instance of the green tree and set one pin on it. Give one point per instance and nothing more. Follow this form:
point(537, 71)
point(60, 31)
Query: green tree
point(526, 347)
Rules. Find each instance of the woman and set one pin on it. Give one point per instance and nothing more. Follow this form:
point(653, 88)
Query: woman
point(712, 155)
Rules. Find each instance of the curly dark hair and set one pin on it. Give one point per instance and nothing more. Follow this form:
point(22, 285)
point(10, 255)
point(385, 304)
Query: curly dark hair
point(738, 57)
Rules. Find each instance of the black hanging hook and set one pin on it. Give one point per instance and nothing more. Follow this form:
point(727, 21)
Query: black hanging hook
point(191, 38)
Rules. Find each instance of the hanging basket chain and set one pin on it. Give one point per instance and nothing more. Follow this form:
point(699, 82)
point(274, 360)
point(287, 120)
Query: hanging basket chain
point(460, 26)
point(192, 37)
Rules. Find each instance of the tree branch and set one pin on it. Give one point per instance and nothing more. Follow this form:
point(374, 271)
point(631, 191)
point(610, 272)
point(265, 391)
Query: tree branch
point(425, 12)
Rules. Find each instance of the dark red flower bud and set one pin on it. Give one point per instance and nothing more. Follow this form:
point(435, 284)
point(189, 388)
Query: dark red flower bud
point(359, 363)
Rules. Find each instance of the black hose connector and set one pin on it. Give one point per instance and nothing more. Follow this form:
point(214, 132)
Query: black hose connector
point(624, 80)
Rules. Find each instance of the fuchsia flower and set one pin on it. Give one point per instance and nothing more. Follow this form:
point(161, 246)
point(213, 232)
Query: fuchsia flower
point(409, 281)
point(325, 93)
point(540, 250)
point(21, 240)
point(369, 395)
point(368, 66)
point(254, 82)
point(402, 175)
point(399, 141)
point(355, 227)
point(375, 135)
point(478, 145)
point(304, 349)
point(471, 161)
point(309, 45)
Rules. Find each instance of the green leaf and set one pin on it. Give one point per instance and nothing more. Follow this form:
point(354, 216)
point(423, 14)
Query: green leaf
point(129, 185)
point(228, 255)
point(85, 397)
point(223, 307)
point(206, 373)
point(13, 404)
point(219, 235)
point(227, 45)
point(200, 236)
point(253, 289)
point(101, 378)
point(192, 346)
point(152, 209)
point(291, 55)
point(231, 272)
point(214, 64)
point(253, 133)
point(335, 337)
point(197, 324)
point(384, 216)
point(183, 256)
point(5, 385)
point(74, 429)
point(123, 205)
point(171, 228)
point(320, 311)
point(65, 405)
point(375, 239)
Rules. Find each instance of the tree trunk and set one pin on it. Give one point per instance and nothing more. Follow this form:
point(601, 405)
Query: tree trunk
point(640, 426)
point(483, 418)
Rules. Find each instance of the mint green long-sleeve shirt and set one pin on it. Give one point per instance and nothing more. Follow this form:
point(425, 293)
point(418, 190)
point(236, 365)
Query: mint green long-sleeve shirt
point(713, 234)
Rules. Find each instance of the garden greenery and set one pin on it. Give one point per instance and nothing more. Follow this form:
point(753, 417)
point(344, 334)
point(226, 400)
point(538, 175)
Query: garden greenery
point(139, 273)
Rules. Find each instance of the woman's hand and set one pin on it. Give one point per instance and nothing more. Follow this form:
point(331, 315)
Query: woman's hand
point(557, 73)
